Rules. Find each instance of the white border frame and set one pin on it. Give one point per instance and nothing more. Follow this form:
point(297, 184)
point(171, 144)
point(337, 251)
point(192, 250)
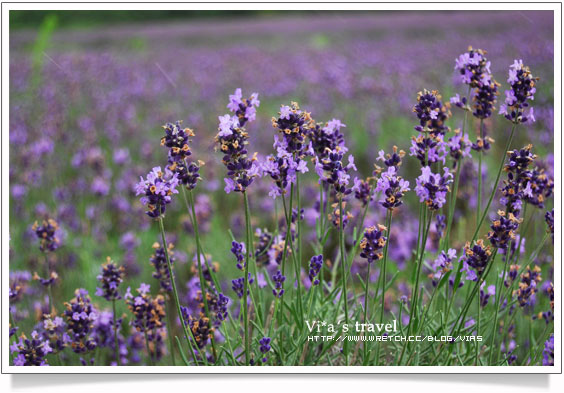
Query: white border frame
point(413, 6)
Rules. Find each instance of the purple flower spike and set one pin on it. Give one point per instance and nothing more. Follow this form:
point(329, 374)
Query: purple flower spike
point(432, 188)
point(157, 190)
point(278, 280)
point(373, 243)
point(110, 278)
point(523, 88)
point(315, 265)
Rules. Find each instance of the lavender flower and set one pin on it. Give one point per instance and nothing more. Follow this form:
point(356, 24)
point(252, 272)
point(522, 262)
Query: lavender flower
point(511, 275)
point(54, 331)
point(217, 304)
point(148, 312)
point(548, 352)
point(157, 190)
point(362, 190)
point(474, 67)
point(373, 243)
point(537, 187)
point(80, 315)
point(47, 281)
point(278, 280)
point(441, 266)
point(294, 126)
point(263, 244)
point(392, 187)
point(110, 278)
point(18, 287)
point(232, 140)
point(528, 285)
point(431, 113)
point(391, 160)
point(30, 352)
point(482, 144)
point(332, 170)
point(514, 189)
point(485, 295)
point(315, 265)
point(335, 215)
point(244, 108)
point(238, 249)
point(238, 285)
point(432, 188)
point(176, 139)
point(485, 98)
point(159, 262)
point(503, 229)
point(477, 256)
point(283, 170)
point(327, 138)
point(47, 233)
point(440, 225)
point(264, 348)
point(428, 149)
point(549, 218)
point(459, 146)
point(522, 90)
point(201, 328)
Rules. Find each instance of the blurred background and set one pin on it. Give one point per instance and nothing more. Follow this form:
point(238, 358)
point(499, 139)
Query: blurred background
point(89, 91)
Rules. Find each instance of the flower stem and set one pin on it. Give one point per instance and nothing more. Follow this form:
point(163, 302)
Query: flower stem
point(485, 212)
point(480, 173)
point(383, 274)
point(344, 274)
point(187, 332)
point(169, 331)
point(116, 348)
point(203, 282)
point(245, 297)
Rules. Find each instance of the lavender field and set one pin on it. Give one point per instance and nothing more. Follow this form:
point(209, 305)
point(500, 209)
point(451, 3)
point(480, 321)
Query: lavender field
point(219, 191)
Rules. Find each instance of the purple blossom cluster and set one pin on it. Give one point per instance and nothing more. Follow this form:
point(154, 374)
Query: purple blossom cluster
point(159, 262)
point(432, 188)
point(80, 315)
point(477, 256)
point(110, 278)
point(516, 107)
point(148, 312)
point(30, 352)
point(157, 189)
point(278, 280)
point(333, 171)
point(372, 243)
point(46, 232)
point(528, 285)
point(232, 140)
point(315, 265)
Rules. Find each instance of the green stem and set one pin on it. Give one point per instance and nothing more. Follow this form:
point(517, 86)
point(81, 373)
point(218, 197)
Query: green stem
point(203, 282)
point(366, 311)
point(344, 274)
point(169, 331)
point(485, 212)
point(187, 332)
point(480, 154)
point(245, 297)
point(415, 291)
point(116, 348)
point(383, 274)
